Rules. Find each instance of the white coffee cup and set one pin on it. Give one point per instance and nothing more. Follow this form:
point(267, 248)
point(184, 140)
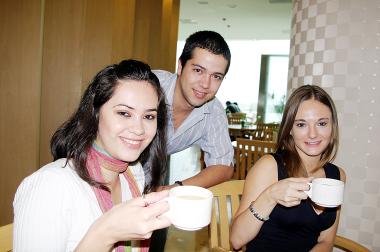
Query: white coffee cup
point(326, 192)
point(189, 207)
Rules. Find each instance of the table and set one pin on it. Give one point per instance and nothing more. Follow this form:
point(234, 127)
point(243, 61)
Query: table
point(235, 130)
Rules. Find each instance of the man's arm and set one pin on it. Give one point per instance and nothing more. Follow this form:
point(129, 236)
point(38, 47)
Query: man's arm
point(210, 176)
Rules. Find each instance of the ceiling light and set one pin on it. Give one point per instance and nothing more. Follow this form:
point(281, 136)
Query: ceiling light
point(188, 21)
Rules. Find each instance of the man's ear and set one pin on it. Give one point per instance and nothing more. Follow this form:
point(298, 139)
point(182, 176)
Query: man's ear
point(179, 69)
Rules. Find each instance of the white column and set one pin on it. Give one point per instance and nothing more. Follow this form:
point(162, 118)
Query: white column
point(335, 44)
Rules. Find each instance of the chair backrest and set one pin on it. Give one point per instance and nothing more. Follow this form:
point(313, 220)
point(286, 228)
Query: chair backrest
point(349, 245)
point(236, 118)
point(271, 126)
point(248, 152)
point(6, 238)
point(225, 204)
point(260, 134)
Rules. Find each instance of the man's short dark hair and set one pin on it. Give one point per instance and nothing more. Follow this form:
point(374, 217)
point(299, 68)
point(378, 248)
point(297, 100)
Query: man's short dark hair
point(209, 40)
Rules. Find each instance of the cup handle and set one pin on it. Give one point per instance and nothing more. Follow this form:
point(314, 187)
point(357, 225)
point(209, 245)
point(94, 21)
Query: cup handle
point(310, 191)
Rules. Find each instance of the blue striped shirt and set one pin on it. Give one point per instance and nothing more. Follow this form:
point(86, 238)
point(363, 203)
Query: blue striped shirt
point(206, 126)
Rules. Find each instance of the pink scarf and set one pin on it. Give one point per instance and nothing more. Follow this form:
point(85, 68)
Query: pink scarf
point(95, 160)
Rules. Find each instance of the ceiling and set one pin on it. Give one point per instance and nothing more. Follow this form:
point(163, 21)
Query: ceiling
point(237, 19)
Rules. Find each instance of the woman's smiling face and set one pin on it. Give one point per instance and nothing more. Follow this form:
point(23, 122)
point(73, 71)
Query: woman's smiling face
point(312, 128)
point(128, 121)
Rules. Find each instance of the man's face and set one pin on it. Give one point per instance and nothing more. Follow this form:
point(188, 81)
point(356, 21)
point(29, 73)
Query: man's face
point(200, 78)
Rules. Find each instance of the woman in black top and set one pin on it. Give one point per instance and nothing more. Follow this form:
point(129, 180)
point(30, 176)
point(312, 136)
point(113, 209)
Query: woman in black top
point(275, 213)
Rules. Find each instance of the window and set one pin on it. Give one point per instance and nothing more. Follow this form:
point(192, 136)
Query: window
point(273, 87)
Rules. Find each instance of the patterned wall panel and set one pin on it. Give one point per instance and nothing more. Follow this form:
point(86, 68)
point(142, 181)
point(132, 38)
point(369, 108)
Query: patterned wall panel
point(336, 44)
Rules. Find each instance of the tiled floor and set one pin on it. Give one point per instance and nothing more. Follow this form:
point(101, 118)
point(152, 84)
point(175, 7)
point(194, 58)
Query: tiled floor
point(186, 241)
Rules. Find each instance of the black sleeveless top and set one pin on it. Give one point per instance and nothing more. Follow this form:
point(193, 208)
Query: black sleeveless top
point(294, 228)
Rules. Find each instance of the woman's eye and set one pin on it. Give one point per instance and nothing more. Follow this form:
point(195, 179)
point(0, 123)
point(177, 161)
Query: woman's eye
point(300, 125)
point(322, 123)
point(123, 113)
point(150, 117)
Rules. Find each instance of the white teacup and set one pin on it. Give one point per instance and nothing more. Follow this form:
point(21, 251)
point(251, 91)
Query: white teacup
point(189, 207)
point(326, 192)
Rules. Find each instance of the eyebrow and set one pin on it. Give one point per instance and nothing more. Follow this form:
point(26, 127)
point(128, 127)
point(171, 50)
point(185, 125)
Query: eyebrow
point(303, 120)
point(222, 74)
point(127, 106)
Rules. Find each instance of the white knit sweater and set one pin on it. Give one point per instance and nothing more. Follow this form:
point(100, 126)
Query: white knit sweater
point(54, 207)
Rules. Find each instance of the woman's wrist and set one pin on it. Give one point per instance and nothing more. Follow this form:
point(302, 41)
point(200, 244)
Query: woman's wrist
point(268, 198)
point(101, 229)
point(96, 239)
point(262, 207)
point(256, 214)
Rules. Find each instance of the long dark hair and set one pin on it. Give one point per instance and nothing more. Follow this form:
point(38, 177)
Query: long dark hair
point(74, 138)
point(285, 143)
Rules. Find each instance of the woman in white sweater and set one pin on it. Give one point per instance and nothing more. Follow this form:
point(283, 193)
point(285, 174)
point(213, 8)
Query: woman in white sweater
point(90, 197)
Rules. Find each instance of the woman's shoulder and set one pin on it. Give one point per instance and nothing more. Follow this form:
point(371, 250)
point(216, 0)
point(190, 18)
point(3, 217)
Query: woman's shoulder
point(268, 161)
point(59, 167)
point(266, 166)
point(58, 172)
point(54, 182)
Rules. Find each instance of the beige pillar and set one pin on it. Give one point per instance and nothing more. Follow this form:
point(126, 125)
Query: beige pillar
point(336, 44)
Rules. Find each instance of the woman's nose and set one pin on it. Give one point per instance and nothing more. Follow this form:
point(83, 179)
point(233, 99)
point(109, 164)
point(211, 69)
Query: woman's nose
point(137, 127)
point(312, 132)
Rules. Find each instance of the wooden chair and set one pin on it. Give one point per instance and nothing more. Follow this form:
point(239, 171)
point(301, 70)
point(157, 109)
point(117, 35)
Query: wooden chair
point(266, 126)
point(348, 245)
point(6, 238)
point(262, 135)
point(225, 204)
point(248, 152)
point(236, 118)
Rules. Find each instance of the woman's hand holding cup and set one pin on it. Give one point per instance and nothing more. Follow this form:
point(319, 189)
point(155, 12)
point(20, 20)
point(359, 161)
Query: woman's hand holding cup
point(148, 215)
point(290, 191)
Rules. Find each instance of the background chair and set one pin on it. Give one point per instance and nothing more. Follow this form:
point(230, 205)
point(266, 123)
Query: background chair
point(349, 245)
point(225, 204)
point(6, 238)
point(260, 134)
point(236, 118)
point(264, 126)
point(248, 152)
